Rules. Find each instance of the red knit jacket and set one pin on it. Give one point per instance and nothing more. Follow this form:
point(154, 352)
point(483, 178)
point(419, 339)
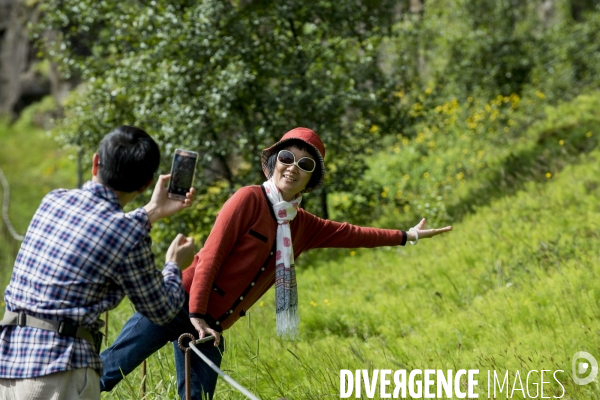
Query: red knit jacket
point(236, 265)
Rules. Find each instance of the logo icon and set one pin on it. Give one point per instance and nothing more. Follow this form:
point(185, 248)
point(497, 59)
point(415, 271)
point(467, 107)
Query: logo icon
point(582, 368)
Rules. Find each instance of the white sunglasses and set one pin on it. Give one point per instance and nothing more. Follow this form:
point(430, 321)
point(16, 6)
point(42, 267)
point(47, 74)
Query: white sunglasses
point(306, 164)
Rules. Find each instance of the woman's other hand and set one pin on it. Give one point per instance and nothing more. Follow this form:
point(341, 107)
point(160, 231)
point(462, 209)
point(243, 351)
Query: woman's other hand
point(205, 330)
point(160, 206)
point(181, 251)
point(425, 233)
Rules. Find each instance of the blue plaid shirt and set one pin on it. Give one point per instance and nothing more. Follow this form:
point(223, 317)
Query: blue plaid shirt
point(81, 255)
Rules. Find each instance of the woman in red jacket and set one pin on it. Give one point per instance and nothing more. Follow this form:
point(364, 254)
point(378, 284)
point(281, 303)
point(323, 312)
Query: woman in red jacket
point(257, 235)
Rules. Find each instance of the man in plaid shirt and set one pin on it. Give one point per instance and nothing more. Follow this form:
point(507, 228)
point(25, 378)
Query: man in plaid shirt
point(81, 255)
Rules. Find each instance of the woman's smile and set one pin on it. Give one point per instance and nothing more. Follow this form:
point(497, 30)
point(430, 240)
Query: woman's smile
point(290, 179)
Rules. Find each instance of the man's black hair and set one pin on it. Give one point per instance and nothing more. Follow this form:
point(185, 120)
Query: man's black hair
point(129, 157)
point(300, 145)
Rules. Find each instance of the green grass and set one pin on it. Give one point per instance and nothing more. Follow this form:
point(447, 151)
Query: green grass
point(514, 287)
point(34, 164)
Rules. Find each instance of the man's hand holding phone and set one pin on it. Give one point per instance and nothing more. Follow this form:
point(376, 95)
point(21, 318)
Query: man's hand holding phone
point(161, 206)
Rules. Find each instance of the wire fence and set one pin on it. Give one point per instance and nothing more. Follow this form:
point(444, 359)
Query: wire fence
point(187, 344)
point(7, 230)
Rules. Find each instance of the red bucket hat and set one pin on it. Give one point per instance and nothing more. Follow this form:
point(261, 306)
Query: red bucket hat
point(309, 137)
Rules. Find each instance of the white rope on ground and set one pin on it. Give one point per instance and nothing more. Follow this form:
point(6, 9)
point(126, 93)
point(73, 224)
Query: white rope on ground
point(223, 375)
point(9, 226)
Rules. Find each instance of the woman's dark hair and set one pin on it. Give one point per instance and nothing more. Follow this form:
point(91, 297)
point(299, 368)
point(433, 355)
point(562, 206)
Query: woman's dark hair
point(300, 145)
point(129, 157)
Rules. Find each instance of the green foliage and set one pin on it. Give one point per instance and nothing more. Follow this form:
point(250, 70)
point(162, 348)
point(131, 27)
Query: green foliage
point(226, 80)
point(487, 114)
point(513, 287)
point(462, 162)
point(34, 164)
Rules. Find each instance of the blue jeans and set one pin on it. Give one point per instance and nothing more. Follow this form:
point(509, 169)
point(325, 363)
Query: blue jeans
point(140, 338)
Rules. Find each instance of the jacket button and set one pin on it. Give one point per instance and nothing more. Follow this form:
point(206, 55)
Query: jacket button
point(217, 323)
point(252, 284)
point(230, 311)
point(241, 297)
point(271, 253)
point(242, 313)
point(262, 269)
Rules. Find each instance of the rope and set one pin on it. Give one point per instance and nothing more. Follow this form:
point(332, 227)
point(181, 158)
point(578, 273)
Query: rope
point(223, 375)
point(9, 226)
point(208, 362)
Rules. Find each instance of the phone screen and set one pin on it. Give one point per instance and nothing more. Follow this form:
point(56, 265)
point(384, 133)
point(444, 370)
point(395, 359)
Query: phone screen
point(182, 172)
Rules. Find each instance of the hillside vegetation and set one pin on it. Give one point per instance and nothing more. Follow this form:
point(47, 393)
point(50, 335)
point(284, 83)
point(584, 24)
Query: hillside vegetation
point(482, 114)
point(513, 287)
point(34, 164)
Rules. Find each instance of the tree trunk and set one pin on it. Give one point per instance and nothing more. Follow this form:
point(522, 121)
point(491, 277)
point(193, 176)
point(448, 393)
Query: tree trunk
point(417, 9)
point(324, 208)
point(14, 50)
point(546, 11)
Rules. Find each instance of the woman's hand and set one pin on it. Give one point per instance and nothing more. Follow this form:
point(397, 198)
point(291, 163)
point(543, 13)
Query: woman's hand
point(205, 330)
point(425, 233)
point(160, 206)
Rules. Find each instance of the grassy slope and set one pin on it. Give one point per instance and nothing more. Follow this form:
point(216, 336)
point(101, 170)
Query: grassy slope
point(514, 287)
point(33, 165)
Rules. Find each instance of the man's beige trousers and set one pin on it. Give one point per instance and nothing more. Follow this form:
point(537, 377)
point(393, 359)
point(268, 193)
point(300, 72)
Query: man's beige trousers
point(82, 383)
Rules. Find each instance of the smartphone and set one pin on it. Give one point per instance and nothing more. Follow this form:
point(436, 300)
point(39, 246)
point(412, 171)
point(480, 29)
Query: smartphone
point(182, 173)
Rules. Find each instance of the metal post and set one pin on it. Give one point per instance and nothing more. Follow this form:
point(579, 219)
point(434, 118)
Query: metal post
point(183, 342)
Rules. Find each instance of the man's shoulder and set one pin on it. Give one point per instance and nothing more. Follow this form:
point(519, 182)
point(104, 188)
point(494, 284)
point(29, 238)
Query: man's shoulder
point(85, 206)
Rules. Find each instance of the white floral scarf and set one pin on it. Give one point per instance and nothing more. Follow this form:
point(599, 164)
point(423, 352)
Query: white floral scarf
point(286, 291)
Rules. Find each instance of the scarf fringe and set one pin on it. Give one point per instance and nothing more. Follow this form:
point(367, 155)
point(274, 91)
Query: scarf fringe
point(287, 323)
